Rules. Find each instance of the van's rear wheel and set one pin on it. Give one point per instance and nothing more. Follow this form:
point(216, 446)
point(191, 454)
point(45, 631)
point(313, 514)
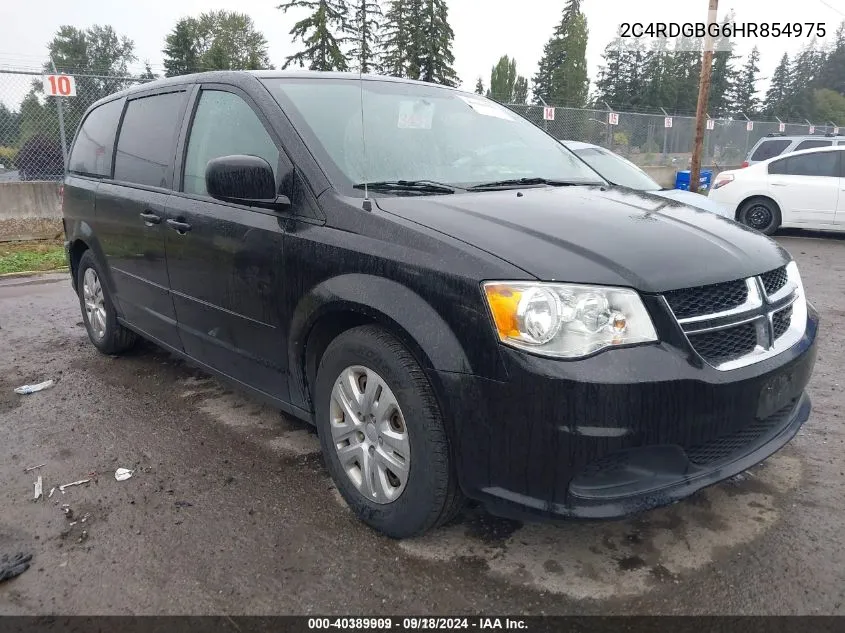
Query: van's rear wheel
point(761, 215)
point(98, 312)
point(382, 434)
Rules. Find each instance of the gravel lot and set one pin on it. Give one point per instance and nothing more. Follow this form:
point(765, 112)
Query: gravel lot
point(230, 510)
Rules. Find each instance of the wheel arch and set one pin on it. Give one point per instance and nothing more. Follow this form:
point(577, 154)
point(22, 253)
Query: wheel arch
point(757, 196)
point(341, 303)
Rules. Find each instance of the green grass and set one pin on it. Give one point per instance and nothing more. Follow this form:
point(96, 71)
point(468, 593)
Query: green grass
point(18, 257)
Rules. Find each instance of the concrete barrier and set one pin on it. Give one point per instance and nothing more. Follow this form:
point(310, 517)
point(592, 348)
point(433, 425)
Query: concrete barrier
point(30, 211)
point(665, 176)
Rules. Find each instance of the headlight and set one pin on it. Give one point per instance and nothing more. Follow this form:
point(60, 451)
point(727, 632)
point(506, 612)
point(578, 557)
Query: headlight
point(567, 320)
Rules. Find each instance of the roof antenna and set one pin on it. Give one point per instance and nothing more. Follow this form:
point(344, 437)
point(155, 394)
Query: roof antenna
point(368, 205)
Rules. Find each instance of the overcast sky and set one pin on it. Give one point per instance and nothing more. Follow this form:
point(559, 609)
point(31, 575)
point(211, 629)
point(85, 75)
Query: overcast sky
point(484, 29)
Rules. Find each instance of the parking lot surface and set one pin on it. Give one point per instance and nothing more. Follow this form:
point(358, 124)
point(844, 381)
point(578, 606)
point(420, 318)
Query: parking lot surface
point(230, 510)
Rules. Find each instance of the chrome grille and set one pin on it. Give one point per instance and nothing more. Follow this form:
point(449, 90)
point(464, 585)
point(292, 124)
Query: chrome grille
point(774, 280)
point(781, 321)
point(736, 323)
point(720, 346)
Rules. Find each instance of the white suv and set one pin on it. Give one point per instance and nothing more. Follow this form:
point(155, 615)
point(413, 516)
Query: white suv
point(803, 189)
point(773, 145)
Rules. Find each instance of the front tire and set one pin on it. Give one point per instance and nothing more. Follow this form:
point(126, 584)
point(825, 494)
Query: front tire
point(98, 311)
point(382, 434)
point(760, 214)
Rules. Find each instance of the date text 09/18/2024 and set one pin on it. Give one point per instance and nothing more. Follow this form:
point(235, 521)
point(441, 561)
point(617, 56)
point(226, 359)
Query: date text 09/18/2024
point(416, 623)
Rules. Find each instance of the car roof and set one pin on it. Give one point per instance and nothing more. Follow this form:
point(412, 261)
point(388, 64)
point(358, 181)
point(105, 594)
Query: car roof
point(801, 137)
point(245, 76)
point(812, 150)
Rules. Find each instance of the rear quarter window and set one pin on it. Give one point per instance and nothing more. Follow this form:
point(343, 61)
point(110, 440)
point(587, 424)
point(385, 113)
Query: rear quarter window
point(812, 144)
point(769, 149)
point(92, 151)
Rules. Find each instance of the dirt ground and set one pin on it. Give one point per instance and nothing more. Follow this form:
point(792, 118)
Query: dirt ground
point(230, 510)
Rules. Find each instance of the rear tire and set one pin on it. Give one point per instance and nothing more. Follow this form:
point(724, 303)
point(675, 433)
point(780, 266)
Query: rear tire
point(98, 311)
point(760, 214)
point(400, 424)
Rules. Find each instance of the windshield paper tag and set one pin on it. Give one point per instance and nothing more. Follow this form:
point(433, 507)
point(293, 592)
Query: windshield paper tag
point(487, 109)
point(416, 115)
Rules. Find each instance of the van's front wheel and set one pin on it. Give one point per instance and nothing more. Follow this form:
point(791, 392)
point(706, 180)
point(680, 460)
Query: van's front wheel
point(382, 434)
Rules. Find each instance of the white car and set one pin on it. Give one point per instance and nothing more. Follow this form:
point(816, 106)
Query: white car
point(803, 189)
point(620, 171)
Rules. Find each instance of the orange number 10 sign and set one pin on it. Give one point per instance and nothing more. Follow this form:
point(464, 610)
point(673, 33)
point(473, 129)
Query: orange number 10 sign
point(59, 86)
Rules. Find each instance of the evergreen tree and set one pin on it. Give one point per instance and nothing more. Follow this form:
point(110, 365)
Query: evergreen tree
point(657, 81)
point(9, 126)
point(322, 34)
point(723, 76)
point(502, 80)
point(562, 74)
point(776, 102)
point(622, 78)
point(396, 40)
point(431, 43)
point(216, 40)
point(180, 50)
point(803, 75)
point(745, 91)
point(148, 73)
point(832, 73)
point(611, 85)
point(520, 90)
point(364, 34)
point(479, 87)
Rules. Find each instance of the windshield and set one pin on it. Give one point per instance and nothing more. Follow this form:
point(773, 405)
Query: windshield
point(418, 132)
point(616, 169)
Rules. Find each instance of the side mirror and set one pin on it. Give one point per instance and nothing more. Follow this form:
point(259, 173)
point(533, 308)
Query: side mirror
point(246, 180)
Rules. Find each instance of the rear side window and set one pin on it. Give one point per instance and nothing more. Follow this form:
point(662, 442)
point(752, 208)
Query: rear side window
point(94, 146)
point(769, 149)
point(812, 144)
point(224, 125)
point(816, 164)
point(147, 139)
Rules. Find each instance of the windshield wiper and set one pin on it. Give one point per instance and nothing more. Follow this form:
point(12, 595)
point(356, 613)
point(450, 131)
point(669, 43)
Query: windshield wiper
point(421, 186)
point(519, 182)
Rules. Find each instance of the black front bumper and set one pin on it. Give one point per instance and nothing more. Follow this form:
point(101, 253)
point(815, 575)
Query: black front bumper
point(621, 432)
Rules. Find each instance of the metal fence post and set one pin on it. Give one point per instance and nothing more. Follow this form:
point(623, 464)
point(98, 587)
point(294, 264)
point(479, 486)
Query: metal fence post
point(61, 118)
point(665, 138)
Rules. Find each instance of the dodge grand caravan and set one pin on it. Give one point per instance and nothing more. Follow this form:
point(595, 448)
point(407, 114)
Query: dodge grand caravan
point(460, 305)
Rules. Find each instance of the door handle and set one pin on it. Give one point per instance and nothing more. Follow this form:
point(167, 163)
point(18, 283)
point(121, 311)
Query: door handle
point(778, 184)
point(150, 218)
point(179, 227)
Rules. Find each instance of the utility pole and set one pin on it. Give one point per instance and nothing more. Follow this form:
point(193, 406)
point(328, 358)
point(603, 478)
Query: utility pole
point(703, 92)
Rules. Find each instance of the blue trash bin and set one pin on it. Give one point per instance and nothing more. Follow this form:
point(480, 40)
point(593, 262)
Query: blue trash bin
point(704, 180)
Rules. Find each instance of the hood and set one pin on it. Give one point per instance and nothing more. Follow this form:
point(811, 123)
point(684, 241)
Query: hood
point(590, 234)
point(695, 200)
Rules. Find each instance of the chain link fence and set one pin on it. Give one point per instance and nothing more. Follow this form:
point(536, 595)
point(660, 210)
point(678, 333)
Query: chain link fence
point(31, 146)
point(31, 135)
point(647, 139)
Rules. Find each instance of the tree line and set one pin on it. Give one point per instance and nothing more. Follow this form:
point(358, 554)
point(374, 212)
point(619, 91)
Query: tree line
point(413, 39)
point(808, 85)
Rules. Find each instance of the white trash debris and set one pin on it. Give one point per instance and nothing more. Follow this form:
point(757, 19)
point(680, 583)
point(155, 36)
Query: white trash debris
point(52, 490)
point(27, 389)
point(122, 474)
point(26, 470)
point(73, 483)
point(39, 491)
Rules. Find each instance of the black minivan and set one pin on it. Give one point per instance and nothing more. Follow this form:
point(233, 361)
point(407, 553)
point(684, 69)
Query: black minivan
point(460, 305)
